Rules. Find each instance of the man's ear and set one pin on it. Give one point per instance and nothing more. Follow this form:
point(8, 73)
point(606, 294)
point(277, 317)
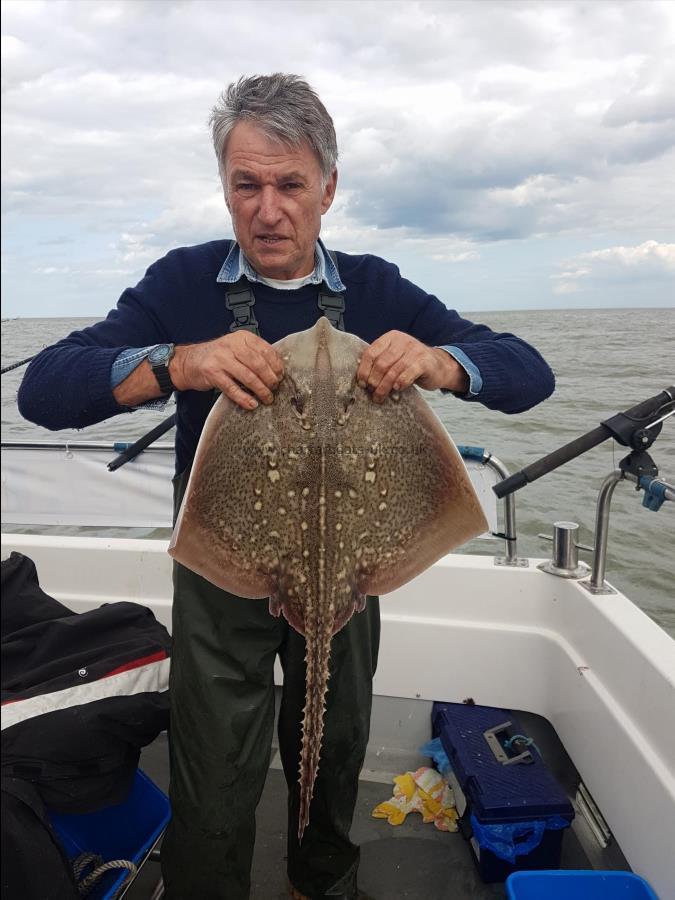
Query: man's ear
point(329, 192)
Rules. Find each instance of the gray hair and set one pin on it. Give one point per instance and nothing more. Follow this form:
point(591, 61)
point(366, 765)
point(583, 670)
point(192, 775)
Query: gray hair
point(285, 107)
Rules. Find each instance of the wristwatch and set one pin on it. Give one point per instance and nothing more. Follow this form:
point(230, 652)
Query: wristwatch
point(159, 358)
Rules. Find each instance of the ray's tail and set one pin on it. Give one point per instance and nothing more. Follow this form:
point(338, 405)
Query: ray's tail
point(318, 641)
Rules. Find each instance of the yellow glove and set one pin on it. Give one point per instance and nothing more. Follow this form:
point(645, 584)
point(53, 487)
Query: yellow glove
point(424, 791)
point(390, 811)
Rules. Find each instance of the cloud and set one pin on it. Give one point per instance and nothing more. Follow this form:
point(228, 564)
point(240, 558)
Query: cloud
point(566, 287)
point(460, 125)
point(343, 231)
point(650, 256)
point(647, 261)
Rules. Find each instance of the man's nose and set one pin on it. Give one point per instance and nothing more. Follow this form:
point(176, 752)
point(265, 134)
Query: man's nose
point(269, 211)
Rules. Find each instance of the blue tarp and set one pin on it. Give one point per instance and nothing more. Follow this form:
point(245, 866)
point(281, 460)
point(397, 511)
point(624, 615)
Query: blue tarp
point(512, 839)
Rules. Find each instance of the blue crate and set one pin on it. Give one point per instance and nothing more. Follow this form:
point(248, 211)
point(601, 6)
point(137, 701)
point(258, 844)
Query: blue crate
point(508, 794)
point(498, 793)
point(577, 885)
point(126, 831)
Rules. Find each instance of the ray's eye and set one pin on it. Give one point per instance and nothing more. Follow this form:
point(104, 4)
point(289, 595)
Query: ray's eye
point(349, 403)
point(298, 405)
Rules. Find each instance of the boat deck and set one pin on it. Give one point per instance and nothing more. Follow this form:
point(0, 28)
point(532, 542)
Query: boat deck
point(412, 861)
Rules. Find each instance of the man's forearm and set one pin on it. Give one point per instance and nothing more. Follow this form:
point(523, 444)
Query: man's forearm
point(67, 385)
point(141, 386)
point(455, 376)
point(241, 365)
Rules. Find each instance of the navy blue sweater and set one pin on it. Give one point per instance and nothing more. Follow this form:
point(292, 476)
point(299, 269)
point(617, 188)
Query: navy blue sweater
point(179, 300)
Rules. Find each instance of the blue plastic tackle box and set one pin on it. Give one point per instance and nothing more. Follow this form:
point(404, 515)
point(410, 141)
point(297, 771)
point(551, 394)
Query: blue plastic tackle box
point(128, 830)
point(512, 810)
point(579, 885)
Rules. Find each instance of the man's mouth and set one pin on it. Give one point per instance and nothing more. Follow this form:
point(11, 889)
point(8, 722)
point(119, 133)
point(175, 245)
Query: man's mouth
point(271, 239)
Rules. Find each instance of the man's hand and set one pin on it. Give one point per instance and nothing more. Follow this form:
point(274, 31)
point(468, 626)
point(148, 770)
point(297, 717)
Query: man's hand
point(228, 363)
point(397, 360)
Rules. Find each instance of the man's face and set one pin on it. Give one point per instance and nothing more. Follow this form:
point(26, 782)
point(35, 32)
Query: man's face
point(276, 201)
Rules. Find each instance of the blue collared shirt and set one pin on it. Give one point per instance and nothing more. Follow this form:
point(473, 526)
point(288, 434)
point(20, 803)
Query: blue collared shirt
point(325, 269)
point(233, 268)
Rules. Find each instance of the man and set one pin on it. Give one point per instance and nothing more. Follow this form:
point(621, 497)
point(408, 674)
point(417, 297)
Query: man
point(276, 150)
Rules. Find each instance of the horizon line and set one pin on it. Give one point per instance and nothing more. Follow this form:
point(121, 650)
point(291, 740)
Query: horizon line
point(462, 311)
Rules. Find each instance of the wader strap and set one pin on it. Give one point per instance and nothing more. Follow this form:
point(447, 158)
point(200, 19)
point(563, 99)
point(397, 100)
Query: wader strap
point(239, 298)
point(331, 303)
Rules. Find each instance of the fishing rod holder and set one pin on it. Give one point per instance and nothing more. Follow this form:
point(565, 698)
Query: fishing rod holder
point(640, 468)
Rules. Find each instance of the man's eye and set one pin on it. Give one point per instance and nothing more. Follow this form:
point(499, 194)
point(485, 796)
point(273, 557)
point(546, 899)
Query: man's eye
point(246, 187)
point(291, 185)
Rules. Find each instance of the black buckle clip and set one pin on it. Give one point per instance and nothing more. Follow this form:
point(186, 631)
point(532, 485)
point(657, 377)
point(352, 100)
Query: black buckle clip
point(332, 301)
point(241, 304)
point(333, 306)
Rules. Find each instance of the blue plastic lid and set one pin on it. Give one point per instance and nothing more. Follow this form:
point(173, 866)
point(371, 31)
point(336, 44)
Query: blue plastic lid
point(563, 884)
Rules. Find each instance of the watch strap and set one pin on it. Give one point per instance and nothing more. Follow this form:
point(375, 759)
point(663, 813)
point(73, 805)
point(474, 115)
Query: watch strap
point(164, 381)
point(161, 372)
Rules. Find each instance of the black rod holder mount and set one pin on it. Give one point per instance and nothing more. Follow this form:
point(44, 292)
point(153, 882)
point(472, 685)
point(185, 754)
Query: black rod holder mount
point(629, 428)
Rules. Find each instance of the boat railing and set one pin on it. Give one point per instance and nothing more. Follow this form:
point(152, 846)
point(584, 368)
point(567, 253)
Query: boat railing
point(69, 446)
point(84, 483)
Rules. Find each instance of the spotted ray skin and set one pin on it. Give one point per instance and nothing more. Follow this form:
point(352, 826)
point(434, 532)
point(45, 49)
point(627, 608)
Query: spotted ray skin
point(319, 499)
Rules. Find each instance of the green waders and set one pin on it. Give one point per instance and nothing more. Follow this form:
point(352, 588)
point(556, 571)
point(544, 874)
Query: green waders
point(222, 718)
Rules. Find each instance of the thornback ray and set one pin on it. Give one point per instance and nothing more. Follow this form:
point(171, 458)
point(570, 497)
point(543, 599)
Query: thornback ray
point(322, 498)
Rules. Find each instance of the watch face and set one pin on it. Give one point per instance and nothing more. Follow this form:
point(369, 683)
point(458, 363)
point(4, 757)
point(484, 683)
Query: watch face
point(160, 354)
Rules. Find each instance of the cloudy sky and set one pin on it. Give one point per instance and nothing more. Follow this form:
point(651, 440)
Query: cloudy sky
point(506, 155)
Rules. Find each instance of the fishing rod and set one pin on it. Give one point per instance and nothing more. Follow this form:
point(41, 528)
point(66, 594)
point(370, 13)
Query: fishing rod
point(15, 365)
point(637, 428)
point(132, 451)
